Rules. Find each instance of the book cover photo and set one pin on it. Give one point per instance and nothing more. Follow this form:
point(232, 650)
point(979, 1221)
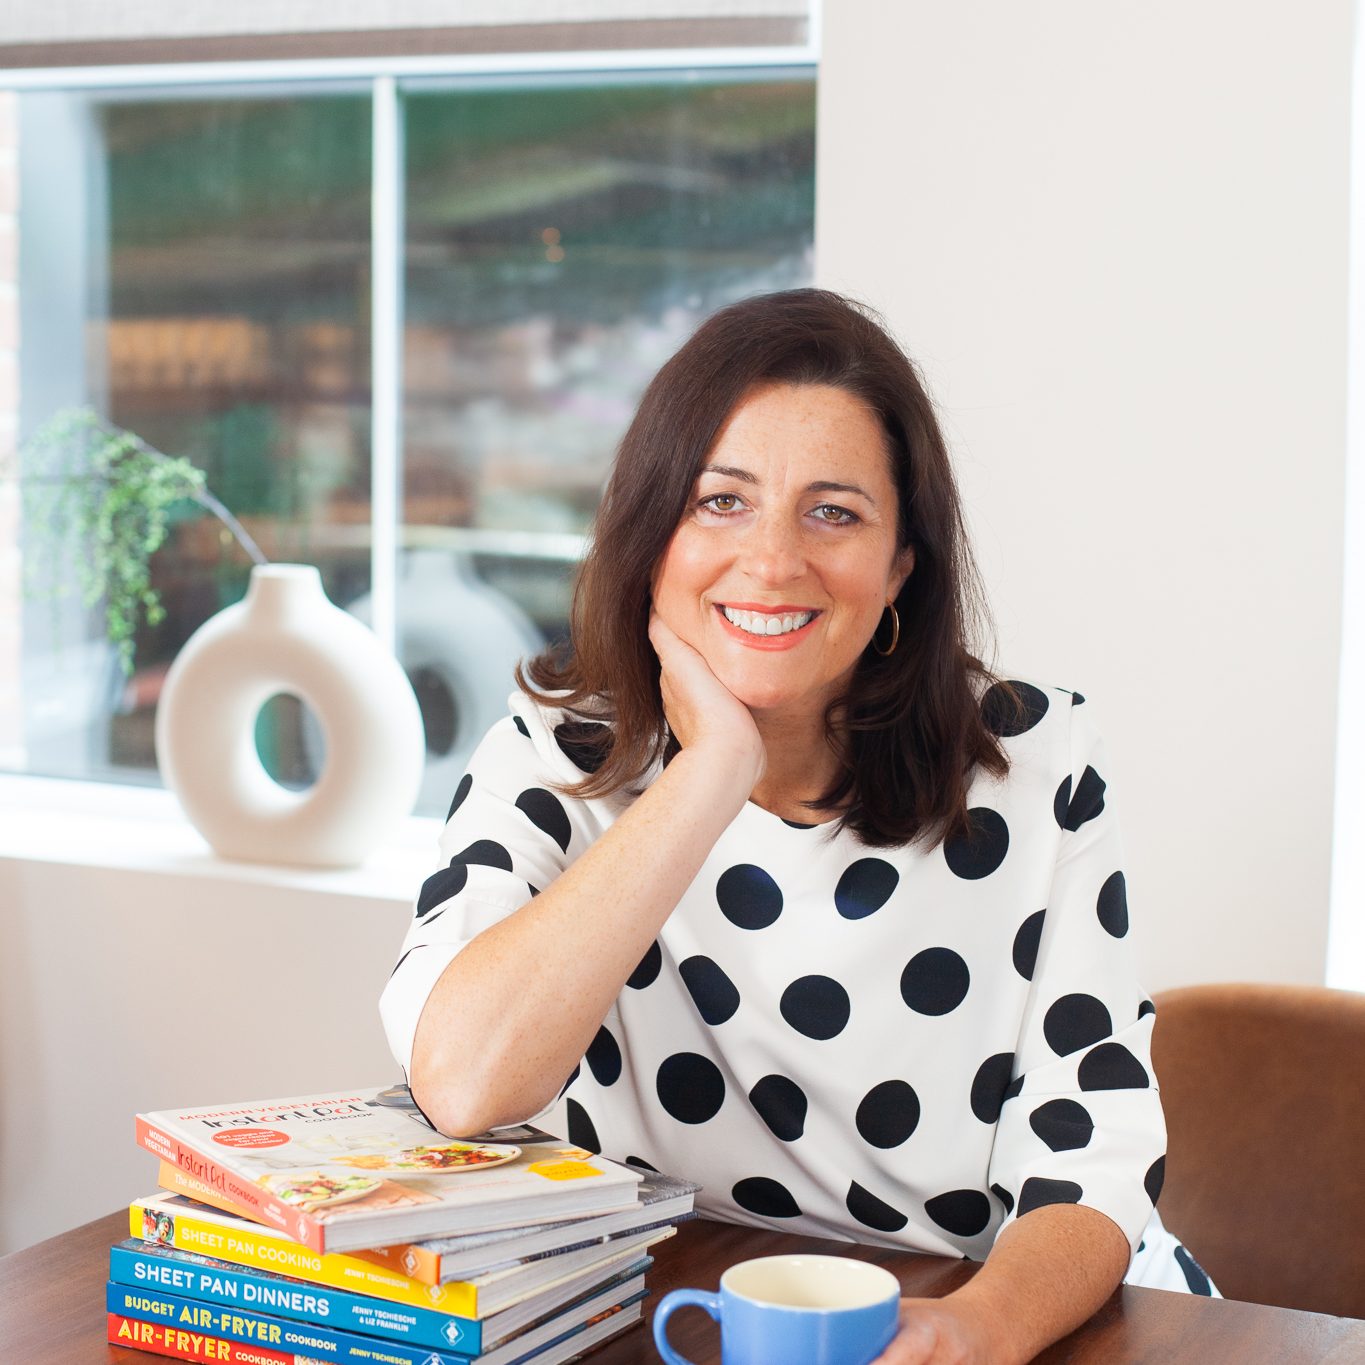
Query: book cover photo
point(348, 1170)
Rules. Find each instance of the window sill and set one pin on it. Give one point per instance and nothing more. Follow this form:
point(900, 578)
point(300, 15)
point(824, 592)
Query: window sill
point(137, 829)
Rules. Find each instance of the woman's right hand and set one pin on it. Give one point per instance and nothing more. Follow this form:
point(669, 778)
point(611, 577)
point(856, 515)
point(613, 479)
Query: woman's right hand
point(701, 711)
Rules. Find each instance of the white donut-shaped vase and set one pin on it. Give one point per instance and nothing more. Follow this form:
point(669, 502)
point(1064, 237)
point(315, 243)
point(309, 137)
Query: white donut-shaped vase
point(285, 636)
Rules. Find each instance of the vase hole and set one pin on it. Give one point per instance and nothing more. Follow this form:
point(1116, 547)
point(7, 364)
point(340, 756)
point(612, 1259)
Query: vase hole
point(440, 710)
point(290, 741)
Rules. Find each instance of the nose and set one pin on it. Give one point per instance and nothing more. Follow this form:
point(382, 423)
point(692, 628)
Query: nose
point(772, 552)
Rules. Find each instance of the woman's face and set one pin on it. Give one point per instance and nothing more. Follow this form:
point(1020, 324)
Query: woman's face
point(786, 556)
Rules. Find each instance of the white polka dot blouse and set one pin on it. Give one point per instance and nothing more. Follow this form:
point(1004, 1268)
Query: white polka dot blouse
point(909, 1046)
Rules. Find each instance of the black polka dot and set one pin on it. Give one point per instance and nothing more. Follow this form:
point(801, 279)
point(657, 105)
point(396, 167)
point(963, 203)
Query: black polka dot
point(1005, 715)
point(521, 725)
point(1061, 802)
point(1112, 905)
point(888, 1114)
point(1074, 1022)
point(573, 1076)
point(1145, 1009)
point(1155, 1179)
point(1111, 1067)
point(641, 1164)
point(1087, 801)
point(405, 957)
point(712, 992)
point(604, 1058)
point(486, 853)
point(1004, 1196)
point(1038, 1190)
point(581, 1130)
point(690, 1087)
point(865, 887)
point(748, 897)
point(545, 811)
point(964, 1213)
point(583, 743)
point(758, 1194)
point(872, 1212)
point(441, 886)
point(1063, 1125)
point(982, 849)
point(989, 1085)
point(647, 969)
point(1026, 940)
point(534, 890)
point(817, 1006)
point(1077, 699)
point(795, 824)
point(461, 792)
point(1015, 1087)
point(1194, 1274)
point(935, 981)
point(782, 1105)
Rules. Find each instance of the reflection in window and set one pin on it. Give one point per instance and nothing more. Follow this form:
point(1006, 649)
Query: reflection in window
point(562, 241)
point(223, 254)
point(196, 264)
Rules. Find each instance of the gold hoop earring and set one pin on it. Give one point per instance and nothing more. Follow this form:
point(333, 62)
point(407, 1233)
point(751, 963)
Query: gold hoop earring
point(895, 632)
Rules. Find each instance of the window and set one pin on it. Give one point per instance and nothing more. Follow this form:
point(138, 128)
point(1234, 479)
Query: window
point(201, 263)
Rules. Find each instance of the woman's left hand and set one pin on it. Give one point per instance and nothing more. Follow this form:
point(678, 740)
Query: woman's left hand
point(941, 1332)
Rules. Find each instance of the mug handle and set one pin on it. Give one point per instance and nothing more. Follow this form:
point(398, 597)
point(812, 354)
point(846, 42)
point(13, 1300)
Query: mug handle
point(680, 1298)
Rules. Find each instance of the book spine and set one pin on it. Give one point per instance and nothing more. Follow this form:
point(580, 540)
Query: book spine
point(406, 1258)
point(258, 1329)
point(266, 1250)
point(163, 1340)
point(409, 1259)
point(260, 1204)
point(258, 1292)
point(175, 1181)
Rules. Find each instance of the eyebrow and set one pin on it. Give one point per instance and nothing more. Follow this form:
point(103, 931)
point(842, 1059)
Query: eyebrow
point(819, 486)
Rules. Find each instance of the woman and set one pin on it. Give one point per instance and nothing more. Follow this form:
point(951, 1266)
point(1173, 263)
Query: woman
point(836, 919)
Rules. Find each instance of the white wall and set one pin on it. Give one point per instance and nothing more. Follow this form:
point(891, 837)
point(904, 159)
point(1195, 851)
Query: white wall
point(1115, 236)
point(1346, 941)
point(123, 991)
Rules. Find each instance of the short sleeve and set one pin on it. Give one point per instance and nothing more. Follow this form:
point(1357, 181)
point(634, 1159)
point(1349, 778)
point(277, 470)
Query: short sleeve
point(1082, 1120)
point(508, 835)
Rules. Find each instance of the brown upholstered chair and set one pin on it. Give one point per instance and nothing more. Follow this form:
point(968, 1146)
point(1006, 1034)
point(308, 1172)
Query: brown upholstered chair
point(1264, 1091)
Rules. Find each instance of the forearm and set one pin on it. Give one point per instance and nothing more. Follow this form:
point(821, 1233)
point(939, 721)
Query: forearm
point(515, 1010)
point(1047, 1273)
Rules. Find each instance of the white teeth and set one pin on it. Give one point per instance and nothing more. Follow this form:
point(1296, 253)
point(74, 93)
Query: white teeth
point(767, 623)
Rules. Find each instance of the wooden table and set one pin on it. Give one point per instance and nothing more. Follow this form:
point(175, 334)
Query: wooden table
point(52, 1307)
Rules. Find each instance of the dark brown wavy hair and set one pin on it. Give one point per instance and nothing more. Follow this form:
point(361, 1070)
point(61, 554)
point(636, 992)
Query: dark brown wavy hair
point(909, 730)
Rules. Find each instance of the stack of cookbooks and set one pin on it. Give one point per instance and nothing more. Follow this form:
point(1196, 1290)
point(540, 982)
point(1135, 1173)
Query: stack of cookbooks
point(342, 1227)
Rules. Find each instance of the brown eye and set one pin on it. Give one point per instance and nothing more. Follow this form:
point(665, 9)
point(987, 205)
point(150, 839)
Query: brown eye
point(720, 502)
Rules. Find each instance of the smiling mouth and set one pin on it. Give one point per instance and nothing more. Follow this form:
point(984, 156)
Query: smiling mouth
point(764, 623)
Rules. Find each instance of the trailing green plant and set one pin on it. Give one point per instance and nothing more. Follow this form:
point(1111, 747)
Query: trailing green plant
point(98, 504)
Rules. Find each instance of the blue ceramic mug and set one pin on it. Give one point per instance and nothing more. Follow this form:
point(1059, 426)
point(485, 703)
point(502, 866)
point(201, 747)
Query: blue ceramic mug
point(794, 1310)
